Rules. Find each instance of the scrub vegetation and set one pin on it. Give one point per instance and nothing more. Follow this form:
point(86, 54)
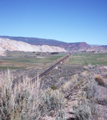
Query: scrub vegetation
point(68, 92)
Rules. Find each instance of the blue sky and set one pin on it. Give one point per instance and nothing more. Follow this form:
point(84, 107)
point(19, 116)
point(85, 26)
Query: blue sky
point(64, 20)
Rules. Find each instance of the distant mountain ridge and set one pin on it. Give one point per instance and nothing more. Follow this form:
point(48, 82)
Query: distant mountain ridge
point(50, 42)
point(54, 45)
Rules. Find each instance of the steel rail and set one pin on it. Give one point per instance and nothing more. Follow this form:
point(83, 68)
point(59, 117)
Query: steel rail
point(49, 69)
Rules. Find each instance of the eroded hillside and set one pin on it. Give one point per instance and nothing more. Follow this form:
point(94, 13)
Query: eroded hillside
point(12, 45)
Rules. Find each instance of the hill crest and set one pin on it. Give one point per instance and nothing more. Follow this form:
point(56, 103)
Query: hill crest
point(50, 42)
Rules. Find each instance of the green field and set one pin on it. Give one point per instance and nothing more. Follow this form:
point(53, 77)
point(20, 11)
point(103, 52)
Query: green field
point(85, 59)
point(18, 61)
point(40, 59)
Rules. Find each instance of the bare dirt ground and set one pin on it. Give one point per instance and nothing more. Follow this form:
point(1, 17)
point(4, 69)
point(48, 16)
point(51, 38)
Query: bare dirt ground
point(65, 77)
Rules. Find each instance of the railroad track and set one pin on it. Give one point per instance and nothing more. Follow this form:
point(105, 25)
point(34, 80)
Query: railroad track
point(49, 69)
point(44, 73)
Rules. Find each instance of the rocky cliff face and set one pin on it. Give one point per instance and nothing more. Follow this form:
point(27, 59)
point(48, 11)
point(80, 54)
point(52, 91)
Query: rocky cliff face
point(12, 45)
point(97, 49)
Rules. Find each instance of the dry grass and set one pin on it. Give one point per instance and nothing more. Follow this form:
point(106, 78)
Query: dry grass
point(67, 86)
point(21, 102)
point(85, 73)
point(99, 80)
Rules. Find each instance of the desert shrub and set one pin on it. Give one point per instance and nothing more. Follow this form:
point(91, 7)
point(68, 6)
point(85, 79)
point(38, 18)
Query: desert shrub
point(89, 67)
point(26, 101)
point(79, 83)
point(85, 73)
point(99, 80)
point(91, 89)
point(53, 87)
point(20, 103)
point(51, 100)
point(93, 108)
point(83, 111)
point(90, 94)
point(65, 88)
point(61, 115)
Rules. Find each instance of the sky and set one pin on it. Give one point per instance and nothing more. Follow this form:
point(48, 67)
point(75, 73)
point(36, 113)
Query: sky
point(64, 20)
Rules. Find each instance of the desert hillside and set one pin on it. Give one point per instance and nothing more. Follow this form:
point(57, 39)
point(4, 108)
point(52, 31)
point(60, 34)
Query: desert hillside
point(12, 45)
point(50, 42)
